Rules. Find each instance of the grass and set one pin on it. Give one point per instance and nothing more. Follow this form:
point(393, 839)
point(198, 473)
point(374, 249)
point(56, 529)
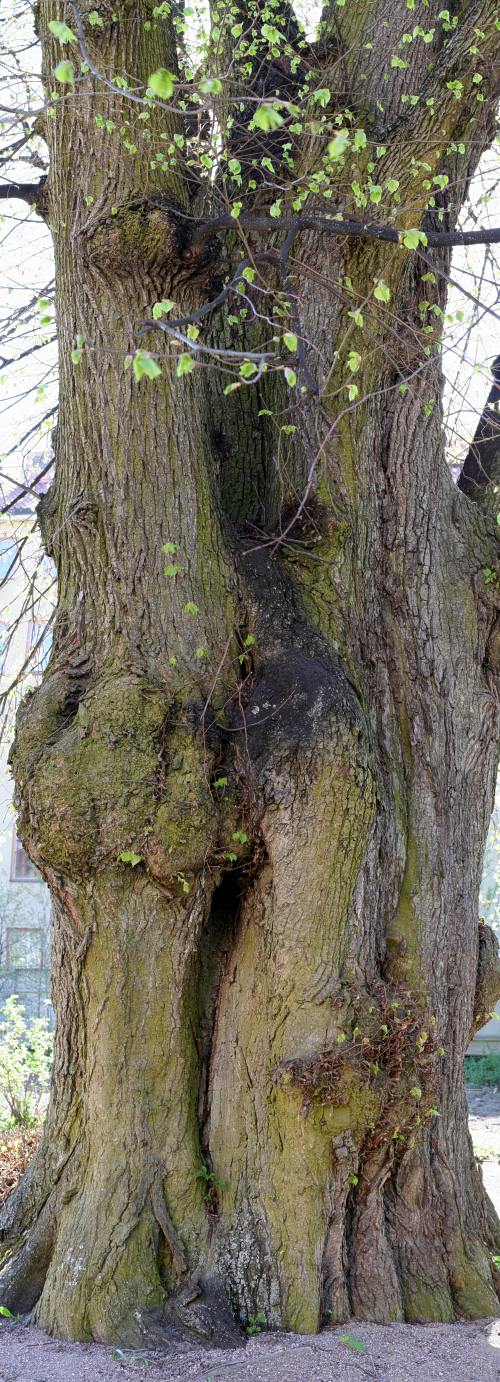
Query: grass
point(483, 1070)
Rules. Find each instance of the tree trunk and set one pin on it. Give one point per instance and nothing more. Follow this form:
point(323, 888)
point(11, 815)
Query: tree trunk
point(258, 786)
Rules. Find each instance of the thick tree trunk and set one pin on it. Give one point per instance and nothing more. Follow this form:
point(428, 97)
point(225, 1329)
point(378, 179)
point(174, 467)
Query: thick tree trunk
point(262, 1014)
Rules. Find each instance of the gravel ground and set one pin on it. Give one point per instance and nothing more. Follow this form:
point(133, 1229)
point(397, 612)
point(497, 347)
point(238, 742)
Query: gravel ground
point(356, 1353)
point(390, 1353)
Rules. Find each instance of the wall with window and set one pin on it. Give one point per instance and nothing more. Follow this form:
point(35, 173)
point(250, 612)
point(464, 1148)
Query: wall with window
point(24, 897)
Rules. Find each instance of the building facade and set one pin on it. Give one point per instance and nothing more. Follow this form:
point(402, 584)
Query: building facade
point(26, 587)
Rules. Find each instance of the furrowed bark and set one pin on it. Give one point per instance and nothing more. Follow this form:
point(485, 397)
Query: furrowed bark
point(259, 787)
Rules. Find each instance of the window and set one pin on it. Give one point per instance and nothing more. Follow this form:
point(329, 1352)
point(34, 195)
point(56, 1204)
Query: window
point(24, 947)
point(39, 632)
point(22, 869)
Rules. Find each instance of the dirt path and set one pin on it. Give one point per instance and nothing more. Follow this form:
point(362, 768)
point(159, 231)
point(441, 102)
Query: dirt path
point(484, 1123)
point(354, 1353)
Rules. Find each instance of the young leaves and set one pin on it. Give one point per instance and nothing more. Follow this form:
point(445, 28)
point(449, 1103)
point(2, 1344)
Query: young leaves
point(65, 73)
point(162, 83)
point(61, 31)
point(144, 366)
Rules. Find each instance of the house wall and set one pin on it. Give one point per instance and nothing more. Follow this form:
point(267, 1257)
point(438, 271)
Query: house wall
point(24, 898)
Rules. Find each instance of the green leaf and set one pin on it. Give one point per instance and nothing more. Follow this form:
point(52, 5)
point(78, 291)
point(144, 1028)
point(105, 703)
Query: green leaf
point(266, 118)
point(322, 96)
point(65, 73)
point(351, 1341)
point(352, 392)
point(172, 570)
point(338, 145)
point(161, 309)
point(392, 184)
point(95, 20)
point(359, 141)
point(162, 83)
point(128, 856)
point(185, 365)
point(249, 640)
point(456, 87)
point(169, 548)
point(291, 378)
point(144, 366)
point(61, 31)
point(191, 608)
point(291, 341)
point(7, 1313)
point(211, 85)
point(220, 782)
point(241, 837)
point(381, 292)
point(353, 361)
point(247, 369)
point(273, 35)
point(413, 238)
point(416, 1092)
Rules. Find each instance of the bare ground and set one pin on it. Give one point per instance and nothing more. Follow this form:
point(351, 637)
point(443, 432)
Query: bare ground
point(390, 1353)
point(353, 1353)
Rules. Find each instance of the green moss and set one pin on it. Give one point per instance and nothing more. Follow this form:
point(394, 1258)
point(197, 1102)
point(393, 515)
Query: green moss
point(91, 792)
point(404, 930)
point(426, 1300)
point(474, 1295)
point(317, 570)
point(185, 824)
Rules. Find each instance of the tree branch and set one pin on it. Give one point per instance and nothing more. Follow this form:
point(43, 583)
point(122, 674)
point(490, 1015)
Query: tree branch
point(30, 192)
point(435, 239)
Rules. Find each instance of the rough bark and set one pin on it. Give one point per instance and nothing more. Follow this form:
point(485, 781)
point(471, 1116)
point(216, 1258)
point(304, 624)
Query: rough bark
point(280, 993)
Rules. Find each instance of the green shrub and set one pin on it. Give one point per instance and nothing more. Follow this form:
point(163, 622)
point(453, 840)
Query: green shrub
point(483, 1069)
point(25, 1065)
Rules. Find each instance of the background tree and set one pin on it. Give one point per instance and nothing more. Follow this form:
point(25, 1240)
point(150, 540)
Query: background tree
point(259, 770)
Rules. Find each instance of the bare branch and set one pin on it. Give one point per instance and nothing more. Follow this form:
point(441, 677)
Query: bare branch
point(30, 192)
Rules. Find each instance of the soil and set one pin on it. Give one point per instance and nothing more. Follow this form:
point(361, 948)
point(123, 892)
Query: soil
point(353, 1353)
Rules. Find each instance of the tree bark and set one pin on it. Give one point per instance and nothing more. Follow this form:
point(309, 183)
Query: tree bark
point(262, 1012)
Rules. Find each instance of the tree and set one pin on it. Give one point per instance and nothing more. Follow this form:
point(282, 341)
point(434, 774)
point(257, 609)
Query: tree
point(259, 770)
